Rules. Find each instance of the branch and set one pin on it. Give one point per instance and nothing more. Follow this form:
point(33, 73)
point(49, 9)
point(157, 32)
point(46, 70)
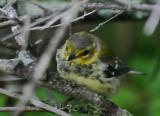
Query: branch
point(80, 92)
point(11, 13)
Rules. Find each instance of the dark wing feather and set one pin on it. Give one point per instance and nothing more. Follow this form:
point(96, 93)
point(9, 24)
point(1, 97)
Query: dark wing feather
point(115, 66)
point(116, 69)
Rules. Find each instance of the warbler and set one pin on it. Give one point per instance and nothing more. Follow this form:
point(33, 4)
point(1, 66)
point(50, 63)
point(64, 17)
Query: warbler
point(87, 61)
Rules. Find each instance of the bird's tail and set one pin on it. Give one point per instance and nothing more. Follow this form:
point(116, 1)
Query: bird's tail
point(127, 70)
point(136, 72)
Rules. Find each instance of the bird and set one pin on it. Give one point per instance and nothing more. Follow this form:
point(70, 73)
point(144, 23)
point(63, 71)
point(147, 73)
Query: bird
point(88, 61)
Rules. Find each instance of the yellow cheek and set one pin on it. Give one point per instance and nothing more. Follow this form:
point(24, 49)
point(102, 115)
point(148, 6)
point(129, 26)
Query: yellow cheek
point(77, 52)
point(86, 60)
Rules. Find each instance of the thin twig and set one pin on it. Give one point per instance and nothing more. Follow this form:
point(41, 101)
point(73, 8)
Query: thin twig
point(10, 78)
point(10, 3)
point(24, 109)
point(7, 23)
point(11, 12)
point(34, 102)
point(3, 12)
point(114, 6)
point(58, 25)
point(102, 23)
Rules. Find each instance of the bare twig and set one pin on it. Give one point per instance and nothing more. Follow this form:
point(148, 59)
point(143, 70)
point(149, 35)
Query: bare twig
point(114, 6)
point(26, 32)
point(3, 12)
point(7, 23)
point(24, 109)
point(46, 10)
point(10, 78)
point(10, 3)
point(58, 25)
point(102, 23)
point(53, 20)
point(11, 13)
point(153, 20)
point(34, 102)
point(42, 105)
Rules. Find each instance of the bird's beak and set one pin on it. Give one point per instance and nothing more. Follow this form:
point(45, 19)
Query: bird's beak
point(71, 57)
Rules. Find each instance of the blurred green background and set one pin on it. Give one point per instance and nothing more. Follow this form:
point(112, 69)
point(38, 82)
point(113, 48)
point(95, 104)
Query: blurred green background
point(140, 95)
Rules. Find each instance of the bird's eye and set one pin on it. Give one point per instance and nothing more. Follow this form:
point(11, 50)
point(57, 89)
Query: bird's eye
point(85, 52)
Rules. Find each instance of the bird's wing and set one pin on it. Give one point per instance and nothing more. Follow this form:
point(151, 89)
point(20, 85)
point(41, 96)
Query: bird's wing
point(115, 66)
point(116, 69)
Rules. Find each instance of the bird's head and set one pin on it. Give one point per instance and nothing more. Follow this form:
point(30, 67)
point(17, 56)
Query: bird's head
point(81, 48)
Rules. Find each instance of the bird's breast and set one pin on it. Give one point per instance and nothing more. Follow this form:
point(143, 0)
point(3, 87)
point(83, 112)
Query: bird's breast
point(89, 76)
